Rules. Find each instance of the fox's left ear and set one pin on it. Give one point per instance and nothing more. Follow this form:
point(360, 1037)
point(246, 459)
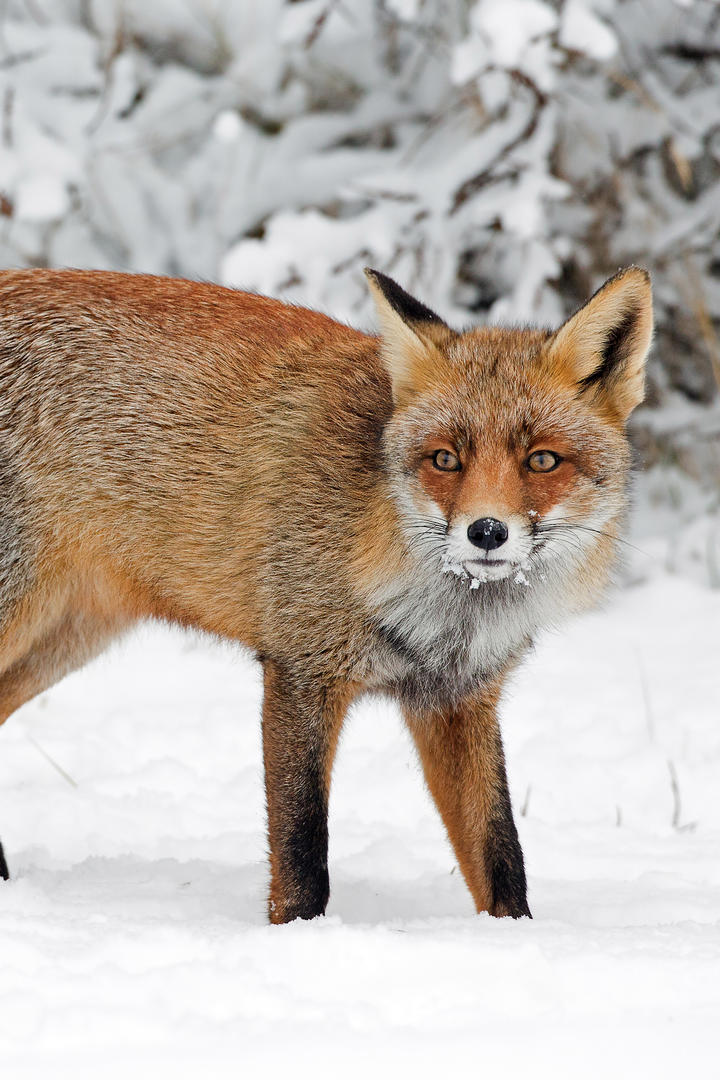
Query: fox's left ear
point(411, 336)
point(603, 346)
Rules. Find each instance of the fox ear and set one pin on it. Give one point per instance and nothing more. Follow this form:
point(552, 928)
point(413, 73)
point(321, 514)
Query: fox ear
point(603, 346)
point(410, 334)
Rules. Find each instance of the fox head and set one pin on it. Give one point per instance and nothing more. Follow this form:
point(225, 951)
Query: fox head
point(506, 448)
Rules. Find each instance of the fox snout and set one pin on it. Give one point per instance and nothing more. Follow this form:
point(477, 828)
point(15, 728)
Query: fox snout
point(487, 533)
point(488, 548)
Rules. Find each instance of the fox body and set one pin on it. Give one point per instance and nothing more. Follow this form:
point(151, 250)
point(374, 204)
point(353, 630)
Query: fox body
point(396, 514)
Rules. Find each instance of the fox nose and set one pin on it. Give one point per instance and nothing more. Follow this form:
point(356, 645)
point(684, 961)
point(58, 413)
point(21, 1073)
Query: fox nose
point(487, 533)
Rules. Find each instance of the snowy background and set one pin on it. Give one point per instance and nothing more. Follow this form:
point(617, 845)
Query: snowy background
point(500, 158)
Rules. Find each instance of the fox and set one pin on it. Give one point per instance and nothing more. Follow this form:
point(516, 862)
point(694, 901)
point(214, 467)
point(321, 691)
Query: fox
point(397, 513)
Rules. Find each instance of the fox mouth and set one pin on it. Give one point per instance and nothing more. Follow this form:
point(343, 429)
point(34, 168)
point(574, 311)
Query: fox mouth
point(488, 562)
point(488, 569)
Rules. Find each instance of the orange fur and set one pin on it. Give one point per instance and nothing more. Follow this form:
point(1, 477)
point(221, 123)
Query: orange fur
point(462, 757)
point(174, 450)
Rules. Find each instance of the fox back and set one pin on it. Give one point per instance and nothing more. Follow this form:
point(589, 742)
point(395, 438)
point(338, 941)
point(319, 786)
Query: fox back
point(397, 513)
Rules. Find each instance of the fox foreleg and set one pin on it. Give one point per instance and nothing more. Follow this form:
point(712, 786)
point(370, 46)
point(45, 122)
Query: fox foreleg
point(301, 725)
point(464, 764)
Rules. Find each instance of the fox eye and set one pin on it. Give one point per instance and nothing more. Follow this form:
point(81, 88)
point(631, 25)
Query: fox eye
point(543, 461)
point(446, 461)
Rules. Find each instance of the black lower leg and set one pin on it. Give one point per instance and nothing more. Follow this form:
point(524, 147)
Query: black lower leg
point(504, 859)
point(301, 848)
point(4, 872)
point(300, 722)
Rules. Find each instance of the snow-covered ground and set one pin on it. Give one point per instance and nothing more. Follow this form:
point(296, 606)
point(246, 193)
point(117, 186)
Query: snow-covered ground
point(133, 937)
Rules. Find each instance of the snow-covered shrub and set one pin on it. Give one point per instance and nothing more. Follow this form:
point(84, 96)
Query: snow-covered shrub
point(499, 157)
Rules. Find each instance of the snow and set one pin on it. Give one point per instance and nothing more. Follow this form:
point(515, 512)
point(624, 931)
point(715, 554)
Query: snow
point(228, 126)
point(282, 147)
point(41, 198)
point(511, 25)
point(405, 9)
point(133, 933)
point(582, 30)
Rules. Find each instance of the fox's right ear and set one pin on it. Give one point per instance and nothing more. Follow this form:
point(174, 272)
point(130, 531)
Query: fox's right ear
point(410, 333)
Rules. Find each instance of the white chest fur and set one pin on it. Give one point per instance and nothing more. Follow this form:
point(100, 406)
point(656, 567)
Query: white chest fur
point(437, 639)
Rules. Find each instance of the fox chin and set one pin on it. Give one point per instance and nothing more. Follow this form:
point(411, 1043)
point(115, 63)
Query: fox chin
point(398, 513)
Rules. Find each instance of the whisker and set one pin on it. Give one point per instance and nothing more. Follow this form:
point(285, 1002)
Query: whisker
point(546, 527)
point(568, 541)
point(420, 542)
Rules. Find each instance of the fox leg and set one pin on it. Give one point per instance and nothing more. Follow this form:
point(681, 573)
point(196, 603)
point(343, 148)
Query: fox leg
point(464, 764)
point(301, 725)
point(62, 648)
point(68, 644)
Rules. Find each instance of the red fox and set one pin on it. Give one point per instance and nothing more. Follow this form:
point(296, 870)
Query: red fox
point(396, 515)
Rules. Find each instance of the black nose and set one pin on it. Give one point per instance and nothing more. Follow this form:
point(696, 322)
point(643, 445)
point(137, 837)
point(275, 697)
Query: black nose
point(487, 533)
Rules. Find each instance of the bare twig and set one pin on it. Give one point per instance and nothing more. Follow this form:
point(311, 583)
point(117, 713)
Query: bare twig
point(526, 802)
point(677, 805)
point(108, 77)
point(474, 183)
point(51, 761)
point(319, 23)
point(7, 111)
point(682, 166)
point(675, 788)
point(704, 319)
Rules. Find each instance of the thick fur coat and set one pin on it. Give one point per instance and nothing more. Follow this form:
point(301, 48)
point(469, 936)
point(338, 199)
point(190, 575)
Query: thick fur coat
point(220, 460)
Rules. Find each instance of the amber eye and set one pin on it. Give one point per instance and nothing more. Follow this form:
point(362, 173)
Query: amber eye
point(543, 461)
point(446, 461)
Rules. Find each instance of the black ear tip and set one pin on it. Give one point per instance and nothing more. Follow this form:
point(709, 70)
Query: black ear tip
point(407, 307)
point(376, 276)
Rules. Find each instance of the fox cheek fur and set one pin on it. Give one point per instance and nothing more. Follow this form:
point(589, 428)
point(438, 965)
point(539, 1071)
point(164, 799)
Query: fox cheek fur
point(396, 514)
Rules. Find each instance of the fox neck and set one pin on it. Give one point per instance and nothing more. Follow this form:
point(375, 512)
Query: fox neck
point(436, 639)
